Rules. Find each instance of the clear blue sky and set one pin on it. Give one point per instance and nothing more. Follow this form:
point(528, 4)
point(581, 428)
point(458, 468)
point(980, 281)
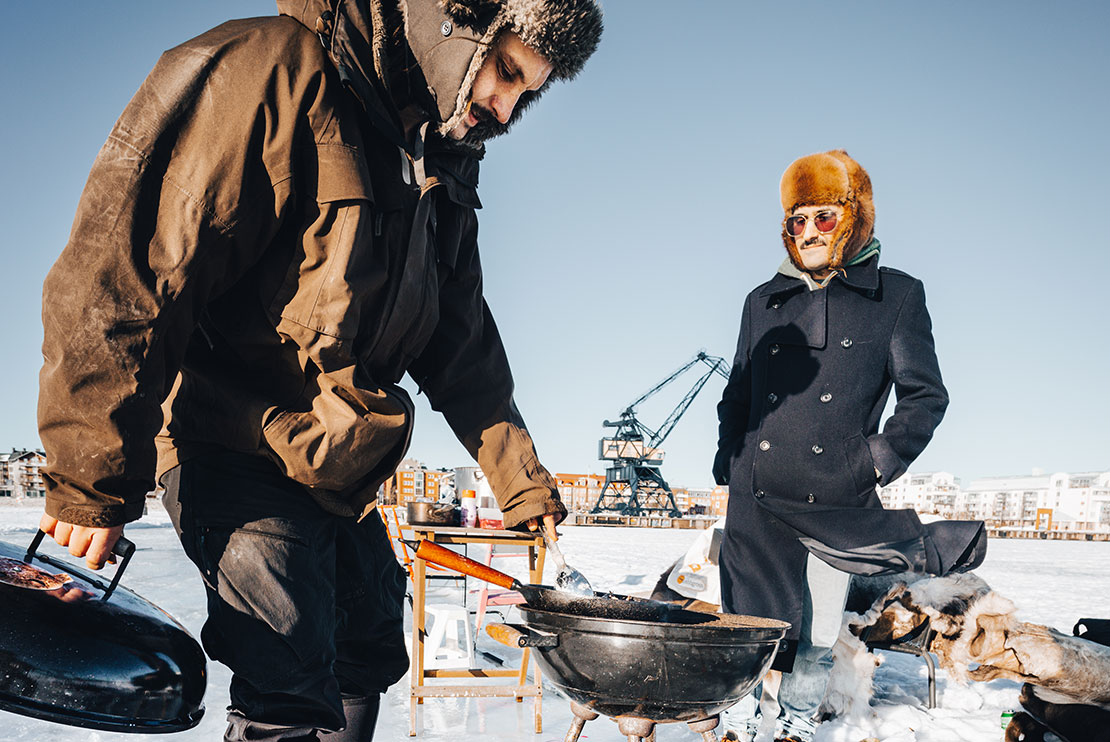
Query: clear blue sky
point(631, 211)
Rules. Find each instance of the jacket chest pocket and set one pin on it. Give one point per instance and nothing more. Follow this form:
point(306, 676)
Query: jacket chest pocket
point(334, 263)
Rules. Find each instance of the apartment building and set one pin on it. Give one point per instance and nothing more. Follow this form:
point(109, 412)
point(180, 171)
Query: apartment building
point(933, 493)
point(718, 501)
point(704, 501)
point(683, 500)
point(1062, 501)
point(579, 492)
point(1005, 501)
point(21, 474)
point(413, 481)
point(1079, 501)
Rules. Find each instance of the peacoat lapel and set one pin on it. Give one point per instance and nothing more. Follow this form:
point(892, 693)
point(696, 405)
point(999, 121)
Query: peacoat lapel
point(793, 315)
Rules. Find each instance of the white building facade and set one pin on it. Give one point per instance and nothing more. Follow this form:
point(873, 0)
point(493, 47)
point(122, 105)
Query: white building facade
point(21, 474)
point(1060, 502)
point(935, 493)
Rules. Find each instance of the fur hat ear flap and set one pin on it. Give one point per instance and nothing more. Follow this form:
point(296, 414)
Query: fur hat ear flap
point(864, 206)
point(831, 178)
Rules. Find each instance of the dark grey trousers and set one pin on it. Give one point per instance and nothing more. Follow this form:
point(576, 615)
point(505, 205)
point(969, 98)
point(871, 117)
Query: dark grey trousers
point(305, 607)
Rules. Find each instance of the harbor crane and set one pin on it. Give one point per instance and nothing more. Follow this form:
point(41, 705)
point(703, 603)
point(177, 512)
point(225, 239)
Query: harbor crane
point(633, 482)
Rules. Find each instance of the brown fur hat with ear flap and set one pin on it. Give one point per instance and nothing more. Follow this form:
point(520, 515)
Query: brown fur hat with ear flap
point(830, 178)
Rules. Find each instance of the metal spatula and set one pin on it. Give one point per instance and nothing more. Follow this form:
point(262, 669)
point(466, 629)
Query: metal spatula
point(567, 578)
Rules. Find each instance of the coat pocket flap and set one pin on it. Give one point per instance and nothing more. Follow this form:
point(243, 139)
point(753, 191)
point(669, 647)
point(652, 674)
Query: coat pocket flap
point(341, 174)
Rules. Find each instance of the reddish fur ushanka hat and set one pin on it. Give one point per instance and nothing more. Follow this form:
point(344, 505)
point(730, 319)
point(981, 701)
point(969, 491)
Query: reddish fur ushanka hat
point(830, 178)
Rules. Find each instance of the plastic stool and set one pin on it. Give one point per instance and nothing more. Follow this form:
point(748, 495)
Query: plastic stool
point(441, 649)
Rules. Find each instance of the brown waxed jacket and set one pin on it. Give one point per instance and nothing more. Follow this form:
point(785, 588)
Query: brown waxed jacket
point(253, 266)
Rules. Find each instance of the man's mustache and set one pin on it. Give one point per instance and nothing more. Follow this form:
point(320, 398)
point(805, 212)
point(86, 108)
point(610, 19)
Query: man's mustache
point(484, 115)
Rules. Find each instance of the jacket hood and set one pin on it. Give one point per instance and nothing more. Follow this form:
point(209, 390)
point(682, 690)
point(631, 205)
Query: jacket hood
point(830, 178)
point(449, 40)
point(356, 35)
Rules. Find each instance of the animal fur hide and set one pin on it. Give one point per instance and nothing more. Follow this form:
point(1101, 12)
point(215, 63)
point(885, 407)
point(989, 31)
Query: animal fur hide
point(979, 638)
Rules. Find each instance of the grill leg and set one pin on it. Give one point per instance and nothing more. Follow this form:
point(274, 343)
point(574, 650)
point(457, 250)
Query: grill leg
point(636, 729)
point(581, 716)
point(705, 728)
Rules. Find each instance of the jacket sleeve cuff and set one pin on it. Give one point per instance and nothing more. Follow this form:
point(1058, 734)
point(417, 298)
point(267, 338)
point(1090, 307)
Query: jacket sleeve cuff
point(534, 496)
point(534, 504)
point(888, 462)
point(94, 516)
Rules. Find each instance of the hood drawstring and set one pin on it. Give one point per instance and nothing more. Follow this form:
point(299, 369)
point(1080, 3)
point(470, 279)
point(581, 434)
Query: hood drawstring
point(324, 28)
point(414, 163)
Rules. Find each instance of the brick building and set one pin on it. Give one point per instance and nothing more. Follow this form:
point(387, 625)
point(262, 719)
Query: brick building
point(413, 481)
point(579, 492)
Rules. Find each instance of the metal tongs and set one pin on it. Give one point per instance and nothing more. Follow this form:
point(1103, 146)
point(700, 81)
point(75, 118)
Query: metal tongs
point(567, 579)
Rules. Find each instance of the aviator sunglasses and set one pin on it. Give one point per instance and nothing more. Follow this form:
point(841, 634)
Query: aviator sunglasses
point(824, 221)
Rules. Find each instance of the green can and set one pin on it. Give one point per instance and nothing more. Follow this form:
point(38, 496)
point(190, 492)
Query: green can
point(1006, 716)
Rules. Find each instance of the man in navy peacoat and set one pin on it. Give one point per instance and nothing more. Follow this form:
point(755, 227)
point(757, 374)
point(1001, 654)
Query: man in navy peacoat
point(821, 345)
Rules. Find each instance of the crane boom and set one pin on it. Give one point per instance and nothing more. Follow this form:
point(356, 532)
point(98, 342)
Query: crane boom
point(716, 366)
point(633, 483)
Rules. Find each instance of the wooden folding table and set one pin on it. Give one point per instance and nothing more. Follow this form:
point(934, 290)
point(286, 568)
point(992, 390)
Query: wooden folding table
point(521, 688)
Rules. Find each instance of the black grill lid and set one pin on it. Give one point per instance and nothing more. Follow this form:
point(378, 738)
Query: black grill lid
point(76, 649)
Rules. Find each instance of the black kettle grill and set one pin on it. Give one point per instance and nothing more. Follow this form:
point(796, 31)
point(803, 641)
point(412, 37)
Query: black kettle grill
point(78, 650)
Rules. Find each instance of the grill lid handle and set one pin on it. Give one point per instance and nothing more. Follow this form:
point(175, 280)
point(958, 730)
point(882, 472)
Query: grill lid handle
point(124, 549)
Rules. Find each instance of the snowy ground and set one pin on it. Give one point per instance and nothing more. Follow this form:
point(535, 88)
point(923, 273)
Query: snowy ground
point(1052, 582)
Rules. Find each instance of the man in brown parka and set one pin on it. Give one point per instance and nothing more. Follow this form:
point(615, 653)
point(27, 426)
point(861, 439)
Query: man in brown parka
point(280, 226)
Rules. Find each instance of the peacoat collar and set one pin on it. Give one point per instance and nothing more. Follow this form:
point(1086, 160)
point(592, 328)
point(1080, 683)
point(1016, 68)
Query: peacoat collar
point(797, 316)
point(863, 277)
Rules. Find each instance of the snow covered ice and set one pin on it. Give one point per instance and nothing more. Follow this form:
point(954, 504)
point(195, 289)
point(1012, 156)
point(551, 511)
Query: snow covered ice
point(1053, 583)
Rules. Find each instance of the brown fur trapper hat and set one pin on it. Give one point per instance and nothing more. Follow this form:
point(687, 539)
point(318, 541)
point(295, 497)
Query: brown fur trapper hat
point(830, 178)
point(452, 38)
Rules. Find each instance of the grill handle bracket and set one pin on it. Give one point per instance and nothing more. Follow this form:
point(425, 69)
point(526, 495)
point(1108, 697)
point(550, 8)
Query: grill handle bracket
point(518, 635)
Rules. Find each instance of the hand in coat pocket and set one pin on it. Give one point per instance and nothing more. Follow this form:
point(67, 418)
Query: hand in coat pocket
point(722, 463)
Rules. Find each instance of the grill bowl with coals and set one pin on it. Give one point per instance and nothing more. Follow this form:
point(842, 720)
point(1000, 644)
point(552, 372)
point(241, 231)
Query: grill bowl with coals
point(690, 666)
point(641, 661)
point(684, 666)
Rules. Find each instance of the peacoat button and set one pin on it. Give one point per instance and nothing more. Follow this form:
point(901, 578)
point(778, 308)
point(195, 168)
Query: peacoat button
point(765, 445)
point(446, 28)
point(774, 349)
point(759, 493)
point(818, 450)
point(826, 397)
point(846, 342)
point(772, 398)
point(810, 497)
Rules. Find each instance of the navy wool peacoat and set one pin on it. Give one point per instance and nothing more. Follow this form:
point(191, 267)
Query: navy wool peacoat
point(800, 446)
